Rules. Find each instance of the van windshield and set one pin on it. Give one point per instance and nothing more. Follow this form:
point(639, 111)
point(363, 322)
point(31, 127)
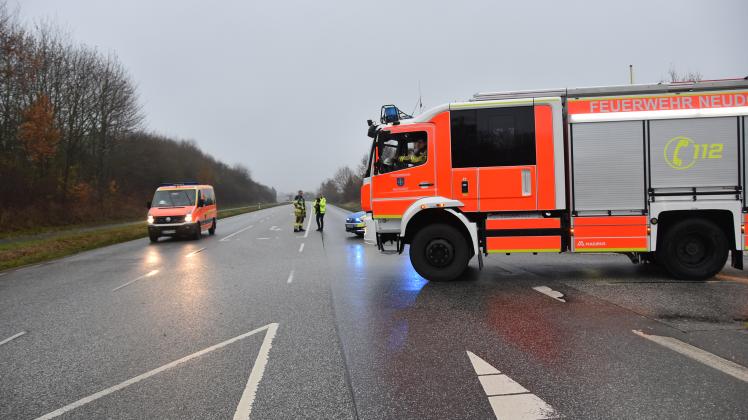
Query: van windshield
point(174, 198)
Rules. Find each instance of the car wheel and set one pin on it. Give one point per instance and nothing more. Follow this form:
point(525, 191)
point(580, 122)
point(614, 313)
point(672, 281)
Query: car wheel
point(439, 253)
point(198, 231)
point(693, 249)
point(153, 238)
point(212, 230)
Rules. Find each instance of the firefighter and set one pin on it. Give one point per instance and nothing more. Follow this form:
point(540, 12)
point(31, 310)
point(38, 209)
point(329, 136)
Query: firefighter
point(418, 156)
point(320, 205)
point(299, 210)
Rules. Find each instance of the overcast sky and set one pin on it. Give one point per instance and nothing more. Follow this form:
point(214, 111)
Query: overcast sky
point(285, 87)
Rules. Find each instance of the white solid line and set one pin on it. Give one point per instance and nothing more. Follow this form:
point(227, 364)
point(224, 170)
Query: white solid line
point(500, 385)
point(481, 366)
point(550, 293)
point(149, 274)
point(195, 252)
point(301, 247)
point(244, 409)
point(12, 337)
point(290, 277)
point(105, 392)
point(237, 232)
point(521, 407)
point(308, 224)
point(712, 360)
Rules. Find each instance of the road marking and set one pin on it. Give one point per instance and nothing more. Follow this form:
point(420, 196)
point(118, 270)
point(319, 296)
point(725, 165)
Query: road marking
point(235, 233)
point(244, 409)
point(710, 359)
point(736, 279)
point(509, 399)
point(195, 252)
point(275, 228)
point(261, 239)
point(149, 274)
point(290, 277)
point(301, 247)
point(550, 293)
point(12, 337)
point(308, 224)
point(245, 405)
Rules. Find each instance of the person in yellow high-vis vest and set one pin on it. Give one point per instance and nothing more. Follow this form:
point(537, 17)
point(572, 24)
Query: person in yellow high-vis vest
point(320, 206)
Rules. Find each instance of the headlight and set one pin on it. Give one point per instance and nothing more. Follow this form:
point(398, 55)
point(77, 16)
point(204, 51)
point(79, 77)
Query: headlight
point(150, 219)
point(188, 218)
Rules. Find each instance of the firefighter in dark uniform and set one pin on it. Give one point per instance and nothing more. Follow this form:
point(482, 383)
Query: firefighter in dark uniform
point(299, 211)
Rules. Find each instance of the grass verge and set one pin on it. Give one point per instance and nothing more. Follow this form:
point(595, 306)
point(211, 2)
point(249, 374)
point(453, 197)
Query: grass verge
point(17, 254)
point(352, 206)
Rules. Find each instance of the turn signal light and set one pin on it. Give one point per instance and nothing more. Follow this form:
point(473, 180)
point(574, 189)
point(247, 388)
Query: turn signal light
point(742, 229)
point(440, 205)
point(571, 232)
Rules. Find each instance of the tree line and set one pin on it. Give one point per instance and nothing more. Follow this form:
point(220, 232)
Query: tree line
point(345, 185)
point(72, 143)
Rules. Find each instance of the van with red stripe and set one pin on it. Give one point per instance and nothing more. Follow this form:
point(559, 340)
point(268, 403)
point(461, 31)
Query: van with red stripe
point(655, 172)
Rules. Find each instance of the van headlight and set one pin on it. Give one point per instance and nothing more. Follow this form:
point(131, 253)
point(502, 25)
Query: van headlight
point(188, 217)
point(150, 219)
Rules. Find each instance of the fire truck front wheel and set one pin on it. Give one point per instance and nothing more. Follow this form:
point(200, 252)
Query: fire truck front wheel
point(693, 249)
point(439, 252)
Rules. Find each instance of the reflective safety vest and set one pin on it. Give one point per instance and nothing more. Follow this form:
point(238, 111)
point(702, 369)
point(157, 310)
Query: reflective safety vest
point(322, 205)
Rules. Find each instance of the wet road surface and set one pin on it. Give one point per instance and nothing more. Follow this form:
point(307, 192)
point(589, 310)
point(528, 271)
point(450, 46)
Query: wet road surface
point(260, 320)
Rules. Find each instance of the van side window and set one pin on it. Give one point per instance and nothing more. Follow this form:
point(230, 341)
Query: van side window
point(493, 137)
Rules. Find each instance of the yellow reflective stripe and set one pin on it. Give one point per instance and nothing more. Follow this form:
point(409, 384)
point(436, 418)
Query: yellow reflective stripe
point(388, 216)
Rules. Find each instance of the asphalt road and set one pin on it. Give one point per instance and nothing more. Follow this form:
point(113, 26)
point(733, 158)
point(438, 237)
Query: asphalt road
point(319, 325)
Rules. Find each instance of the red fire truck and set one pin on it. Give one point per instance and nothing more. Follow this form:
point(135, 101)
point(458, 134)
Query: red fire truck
point(655, 172)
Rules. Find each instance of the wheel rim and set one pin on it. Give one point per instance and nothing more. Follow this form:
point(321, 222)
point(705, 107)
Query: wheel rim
point(693, 250)
point(440, 253)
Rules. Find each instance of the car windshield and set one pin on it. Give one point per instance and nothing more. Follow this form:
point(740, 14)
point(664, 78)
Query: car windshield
point(174, 198)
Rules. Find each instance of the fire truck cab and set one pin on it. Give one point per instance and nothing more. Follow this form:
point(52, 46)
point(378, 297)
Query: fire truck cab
point(655, 172)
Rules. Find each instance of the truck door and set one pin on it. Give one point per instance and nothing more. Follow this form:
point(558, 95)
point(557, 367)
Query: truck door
point(402, 173)
point(495, 149)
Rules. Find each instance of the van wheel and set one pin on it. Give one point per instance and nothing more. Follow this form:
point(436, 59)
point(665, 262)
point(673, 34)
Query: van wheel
point(212, 230)
point(693, 249)
point(153, 238)
point(198, 231)
point(439, 253)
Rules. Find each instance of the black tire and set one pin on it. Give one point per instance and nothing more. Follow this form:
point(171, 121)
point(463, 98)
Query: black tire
point(693, 249)
point(153, 238)
point(198, 232)
point(212, 230)
point(439, 253)
point(360, 235)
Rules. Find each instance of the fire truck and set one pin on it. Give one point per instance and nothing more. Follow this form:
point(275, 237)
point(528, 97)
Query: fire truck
point(655, 172)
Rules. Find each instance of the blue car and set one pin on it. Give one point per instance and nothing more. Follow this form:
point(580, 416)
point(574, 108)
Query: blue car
point(355, 224)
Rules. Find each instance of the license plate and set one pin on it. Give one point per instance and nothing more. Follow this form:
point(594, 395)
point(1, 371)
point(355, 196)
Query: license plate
point(168, 232)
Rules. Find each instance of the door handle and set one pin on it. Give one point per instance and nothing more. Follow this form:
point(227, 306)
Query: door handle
point(426, 184)
point(465, 186)
point(526, 183)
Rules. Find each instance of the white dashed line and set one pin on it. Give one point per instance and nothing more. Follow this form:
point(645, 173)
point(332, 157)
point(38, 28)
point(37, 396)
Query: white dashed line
point(275, 228)
point(262, 239)
point(712, 360)
point(195, 252)
point(290, 277)
point(550, 293)
point(301, 247)
point(149, 274)
point(245, 404)
point(12, 337)
point(225, 238)
point(509, 399)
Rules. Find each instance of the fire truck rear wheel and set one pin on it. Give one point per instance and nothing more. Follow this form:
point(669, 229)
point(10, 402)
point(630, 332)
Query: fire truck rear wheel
point(439, 253)
point(693, 249)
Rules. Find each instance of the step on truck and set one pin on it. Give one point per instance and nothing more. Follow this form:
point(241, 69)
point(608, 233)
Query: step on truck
point(655, 172)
